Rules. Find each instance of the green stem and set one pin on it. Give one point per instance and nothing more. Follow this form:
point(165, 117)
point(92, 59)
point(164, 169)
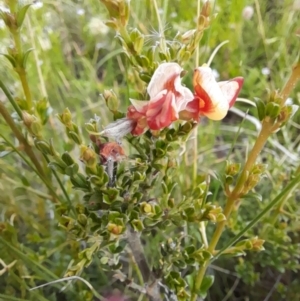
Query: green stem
point(11, 100)
point(36, 58)
point(20, 69)
point(161, 29)
point(30, 165)
point(136, 268)
point(291, 83)
point(27, 148)
point(61, 186)
point(23, 78)
point(195, 147)
point(279, 208)
point(38, 193)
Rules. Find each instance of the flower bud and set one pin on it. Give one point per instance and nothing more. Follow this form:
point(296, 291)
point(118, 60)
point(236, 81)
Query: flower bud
point(66, 118)
point(82, 219)
point(28, 118)
point(112, 102)
point(88, 156)
point(114, 229)
point(146, 208)
point(137, 39)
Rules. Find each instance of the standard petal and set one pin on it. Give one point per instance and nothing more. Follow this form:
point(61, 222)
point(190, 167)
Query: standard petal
point(212, 102)
point(231, 89)
point(163, 78)
point(161, 111)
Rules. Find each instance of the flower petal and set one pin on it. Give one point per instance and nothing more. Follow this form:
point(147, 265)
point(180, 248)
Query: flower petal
point(139, 105)
point(119, 128)
point(139, 117)
point(163, 78)
point(183, 98)
point(231, 89)
point(212, 102)
point(191, 111)
point(161, 111)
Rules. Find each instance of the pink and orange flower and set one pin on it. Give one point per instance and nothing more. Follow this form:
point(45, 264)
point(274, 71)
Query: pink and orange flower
point(167, 98)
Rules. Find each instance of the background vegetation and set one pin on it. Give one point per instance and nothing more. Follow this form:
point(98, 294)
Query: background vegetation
point(76, 58)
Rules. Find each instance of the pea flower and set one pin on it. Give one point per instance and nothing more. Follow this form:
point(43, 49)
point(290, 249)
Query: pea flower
point(167, 98)
point(212, 99)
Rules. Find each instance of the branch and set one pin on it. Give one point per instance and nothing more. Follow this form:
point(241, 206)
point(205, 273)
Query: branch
point(152, 287)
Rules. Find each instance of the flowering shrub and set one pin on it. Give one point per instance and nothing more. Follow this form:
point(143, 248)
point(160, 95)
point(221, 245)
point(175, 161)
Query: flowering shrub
point(134, 214)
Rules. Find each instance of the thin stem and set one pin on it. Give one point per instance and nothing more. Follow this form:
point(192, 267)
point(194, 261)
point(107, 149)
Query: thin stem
point(202, 230)
point(95, 293)
point(262, 31)
point(11, 100)
point(38, 193)
point(165, 11)
point(20, 69)
point(36, 58)
point(195, 146)
point(23, 78)
point(134, 242)
point(291, 83)
point(138, 253)
point(61, 186)
point(198, 46)
point(28, 150)
point(21, 138)
point(279, 208)
point(136, 268)
point(53, 192)
point(161, 29)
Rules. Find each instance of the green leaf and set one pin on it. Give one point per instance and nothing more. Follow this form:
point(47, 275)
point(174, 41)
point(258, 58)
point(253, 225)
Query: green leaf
point(261, 109)
point(67, 158)
point(207, 282)
point(57, 167)
point(25, 57)
point(72, 135)
point(11, 59)
point(253, 195)
point(21, 14)
point(72, 170)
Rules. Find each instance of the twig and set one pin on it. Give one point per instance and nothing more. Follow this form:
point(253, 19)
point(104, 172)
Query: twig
point(273, 288)
point(230, 292)
point(152, 288)
point(136, 247)
point(96, 294)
